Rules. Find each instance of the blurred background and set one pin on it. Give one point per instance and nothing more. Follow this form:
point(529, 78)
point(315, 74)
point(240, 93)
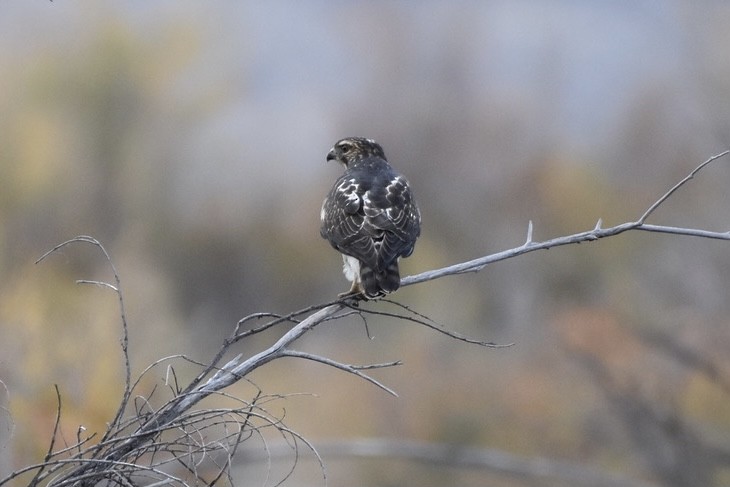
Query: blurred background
point(190, 139)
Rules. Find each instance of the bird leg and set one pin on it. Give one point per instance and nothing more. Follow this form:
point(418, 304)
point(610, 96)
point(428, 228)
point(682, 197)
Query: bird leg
point(355, 290)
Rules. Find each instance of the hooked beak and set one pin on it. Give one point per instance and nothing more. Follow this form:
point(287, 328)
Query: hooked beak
point(331, 155)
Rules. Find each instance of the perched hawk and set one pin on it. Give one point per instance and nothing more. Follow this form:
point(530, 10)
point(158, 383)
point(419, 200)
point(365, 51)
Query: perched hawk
point(370, 216)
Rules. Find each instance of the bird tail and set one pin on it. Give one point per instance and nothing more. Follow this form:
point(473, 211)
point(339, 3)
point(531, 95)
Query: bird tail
point(379, 283)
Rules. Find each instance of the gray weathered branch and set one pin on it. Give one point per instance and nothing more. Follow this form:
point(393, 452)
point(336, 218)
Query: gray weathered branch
point(128, 439)
point(596, 233)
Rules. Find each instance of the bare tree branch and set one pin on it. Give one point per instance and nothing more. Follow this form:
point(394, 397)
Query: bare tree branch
point(596, 233)
point(177, 432)
point(459, 456)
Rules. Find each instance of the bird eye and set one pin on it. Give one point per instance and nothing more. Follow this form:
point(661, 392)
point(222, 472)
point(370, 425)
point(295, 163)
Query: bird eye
point(345, 148)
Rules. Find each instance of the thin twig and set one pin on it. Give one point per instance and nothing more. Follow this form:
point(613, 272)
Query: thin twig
point(428, 323)
point(49, 454)
point(117, 288)
point(356, 370)
point(674, 188)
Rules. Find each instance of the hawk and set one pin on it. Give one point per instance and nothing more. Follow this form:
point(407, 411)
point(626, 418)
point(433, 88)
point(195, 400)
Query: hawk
point(370, 216)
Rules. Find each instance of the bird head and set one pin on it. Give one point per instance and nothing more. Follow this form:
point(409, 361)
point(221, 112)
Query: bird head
point(353, 149)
